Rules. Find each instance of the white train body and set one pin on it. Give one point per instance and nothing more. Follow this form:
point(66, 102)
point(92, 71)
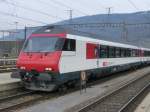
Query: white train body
point(77, 60)
point(44, 68)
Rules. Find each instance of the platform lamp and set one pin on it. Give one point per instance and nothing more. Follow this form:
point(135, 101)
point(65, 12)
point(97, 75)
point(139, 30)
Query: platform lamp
point(16, 25)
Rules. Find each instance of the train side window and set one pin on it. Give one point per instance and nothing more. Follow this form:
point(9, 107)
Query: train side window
point(103, 51)
point(118, 52)
point(145, 53)
point(111, 52)
point(148, 53)
point(137, 53)
point(69, 45)
point(133, 52)
point(123, 52)
point(128, 53)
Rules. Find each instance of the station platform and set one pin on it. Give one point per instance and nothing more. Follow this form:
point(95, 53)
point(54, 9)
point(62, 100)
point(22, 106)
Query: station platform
point(7, 83)
point(144, 105)
point(74, 101)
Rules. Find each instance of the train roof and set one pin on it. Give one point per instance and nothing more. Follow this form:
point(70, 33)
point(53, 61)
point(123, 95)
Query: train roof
point(85, 36)
point(103, 42)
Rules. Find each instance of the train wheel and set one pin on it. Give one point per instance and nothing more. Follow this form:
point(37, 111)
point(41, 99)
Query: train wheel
point(62, 89)
point(72, 84)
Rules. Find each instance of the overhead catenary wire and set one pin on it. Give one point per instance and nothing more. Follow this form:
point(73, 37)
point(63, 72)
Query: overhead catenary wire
point(69, 6)
point(66, 6)
point(20, 24)
point(89, 5)
point(48, 4)
point(138, 9)
point(107, 25)
point(132, 3)
point(34, 10)
point(23, 18)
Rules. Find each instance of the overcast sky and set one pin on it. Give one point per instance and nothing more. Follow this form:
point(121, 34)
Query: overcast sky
point(41, 12)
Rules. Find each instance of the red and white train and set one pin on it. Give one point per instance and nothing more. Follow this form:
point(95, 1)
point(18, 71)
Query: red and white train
point(54, 57)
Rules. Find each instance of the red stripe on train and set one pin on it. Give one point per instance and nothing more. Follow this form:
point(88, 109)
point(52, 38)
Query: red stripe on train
point(62, 35)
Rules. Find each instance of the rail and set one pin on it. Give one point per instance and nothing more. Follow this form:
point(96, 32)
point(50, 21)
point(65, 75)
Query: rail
point(7, 65)
point(4, 107)
point(5, 61)
point(133, 103)
point(118, 100)
point(17, 99)
point(22, 99)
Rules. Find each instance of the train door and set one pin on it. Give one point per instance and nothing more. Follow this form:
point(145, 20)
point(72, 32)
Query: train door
point(141, 54)
point(97, 54)
point(92, 52)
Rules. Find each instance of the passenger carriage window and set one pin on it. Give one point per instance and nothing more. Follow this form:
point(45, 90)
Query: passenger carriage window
point(128, 52)
point(69, 45)
point(137, 53)
point(118, 52)
point(133, 52)
point(146, 53)
point(111, 52)
point(141, 53)
point(123, 52)
point(103, 51)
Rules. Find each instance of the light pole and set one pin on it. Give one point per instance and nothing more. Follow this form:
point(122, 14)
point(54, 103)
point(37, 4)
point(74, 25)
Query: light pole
point(70, 14)
point(16, 25)
point(109, 10)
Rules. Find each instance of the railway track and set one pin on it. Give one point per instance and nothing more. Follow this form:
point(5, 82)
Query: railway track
point(120, 99)
point(19, 99)
point(7, 68)
point(15, 99)
point(22, 98)
point(136, 100)
point(7, 65)
point(6, 61)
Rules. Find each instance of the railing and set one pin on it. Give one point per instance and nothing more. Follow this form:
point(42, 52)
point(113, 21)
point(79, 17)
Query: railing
point(6, 61)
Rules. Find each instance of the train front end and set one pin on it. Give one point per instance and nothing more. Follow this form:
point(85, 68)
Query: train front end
point(39, 60)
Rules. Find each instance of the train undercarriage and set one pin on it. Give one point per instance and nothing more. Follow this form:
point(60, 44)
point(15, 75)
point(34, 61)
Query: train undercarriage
point(49, 81)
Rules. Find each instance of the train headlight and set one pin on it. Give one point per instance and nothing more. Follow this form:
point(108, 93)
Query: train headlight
point(22, 68)
point(48, 69)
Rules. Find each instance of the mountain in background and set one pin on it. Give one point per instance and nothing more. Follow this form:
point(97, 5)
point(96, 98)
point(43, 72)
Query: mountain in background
point(129, 28)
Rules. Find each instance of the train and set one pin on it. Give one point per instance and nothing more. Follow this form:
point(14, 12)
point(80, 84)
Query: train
point(53, 57)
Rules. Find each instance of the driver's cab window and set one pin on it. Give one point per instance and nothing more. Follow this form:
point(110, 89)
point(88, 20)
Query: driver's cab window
point(69, 45)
